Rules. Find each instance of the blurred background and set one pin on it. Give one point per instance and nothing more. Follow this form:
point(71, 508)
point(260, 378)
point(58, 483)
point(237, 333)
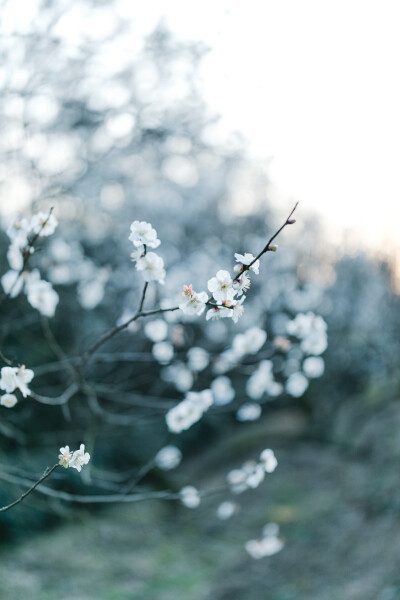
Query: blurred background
point(210, 122)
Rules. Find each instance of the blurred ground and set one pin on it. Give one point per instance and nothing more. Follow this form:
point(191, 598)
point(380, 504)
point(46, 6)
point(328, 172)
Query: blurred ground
point(342, 537)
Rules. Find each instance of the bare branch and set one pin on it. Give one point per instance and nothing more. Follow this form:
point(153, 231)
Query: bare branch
point(45, 475)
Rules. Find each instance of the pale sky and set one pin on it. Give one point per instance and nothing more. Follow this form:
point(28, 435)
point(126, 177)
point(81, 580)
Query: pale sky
point(314, 86)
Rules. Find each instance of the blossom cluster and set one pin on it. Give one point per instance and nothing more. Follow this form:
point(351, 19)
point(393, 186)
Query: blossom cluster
point(223, 302)
point(252, 473)
point(75, 459)
point(268, 544)
point(150, 265)
point(14, 378)
point(189, 411)
point(40, 294)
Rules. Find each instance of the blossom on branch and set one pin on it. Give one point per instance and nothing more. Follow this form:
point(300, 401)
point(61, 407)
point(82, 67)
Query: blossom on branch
point(221, 286)
point(13, 378)
point(244, 260)
point(75, 460)
point(152, 267)
point(143, 234)
point(8, 400)
point(194, 302)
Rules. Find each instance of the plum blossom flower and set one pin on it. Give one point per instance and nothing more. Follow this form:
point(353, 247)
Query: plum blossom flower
point(226, 510)
point(198, 358)
point(194, 302)
point(313, 366)
point(163, 352)
point(15, 257)
point(168, 458)
point(245, 259)
point(296, 384)
point(8, 400)
point(152, 267)
point(42, 296)
point(221, 286)
point(142, 233)
point(219, 312)
point(249, 411)
point(13, 378)
point(249, 342)
point(65, 457)
point(156, 330)
point(43, 224)
point(79, 458)
point(189, 411)
point(242, 283)
point(268, 460)
point(237, 309)
point(190, 496)
point(12, 283)
point(222, 390)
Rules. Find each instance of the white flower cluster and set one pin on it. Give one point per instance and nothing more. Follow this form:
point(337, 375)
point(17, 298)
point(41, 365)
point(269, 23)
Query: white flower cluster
point(252, 473)
point(40, 293)
point(311, 329)
point(223, 289)
point(14, 378)
point(189, 411)
point(190, 496)
point(76, 460)
point(150, 265)
point(267, 545)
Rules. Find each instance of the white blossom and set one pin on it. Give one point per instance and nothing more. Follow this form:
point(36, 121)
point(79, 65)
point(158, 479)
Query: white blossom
point(237, 309)
point(179, 375)
point(15, 257)
point(12, 283)
point(268, 460)
point(190, 496)
point(222, 390)
point(219, 312)
point(168, 458)
point(246, 259)
point(43, 224)
point(249, 342)
point(237, 481)
point(194, 303)
point(65, 457)
point(183, 416)
point(163, 352)
point(313, 366)
point(221, 287)
point(79, 458)
point(296, 384)
point(249, 411)
point(13, 378)
point(226, 510)
point(266, 546)
point(152, 267)
point(8, 400)
point(156, 330)
point(198, 359)
point(242, 283)
point(142, 233)
point(42, 296)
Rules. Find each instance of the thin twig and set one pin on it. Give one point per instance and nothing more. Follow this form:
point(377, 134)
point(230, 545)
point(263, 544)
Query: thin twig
point(45, 475)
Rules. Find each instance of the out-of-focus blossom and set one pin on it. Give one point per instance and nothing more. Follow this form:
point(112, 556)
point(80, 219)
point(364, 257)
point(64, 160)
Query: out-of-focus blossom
point(142, 233)
point(15, 257)
point(43, 224)
point(179, 375)
point(249, 411)
point(313, 366)
point(168, 458)
point(156, 330)
point(268, 460)
point(221, 286)
point(152, 267)
point(163, 352)
point(296, 384)
point(282, 343)
point(198, 359)
point(249, 342)
point(222, 390)
point(42, 296)
point(8, 400)
point(190, 496)
point(189, 411)
point(226, 510)
point(268, 545)
point(12, 283)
